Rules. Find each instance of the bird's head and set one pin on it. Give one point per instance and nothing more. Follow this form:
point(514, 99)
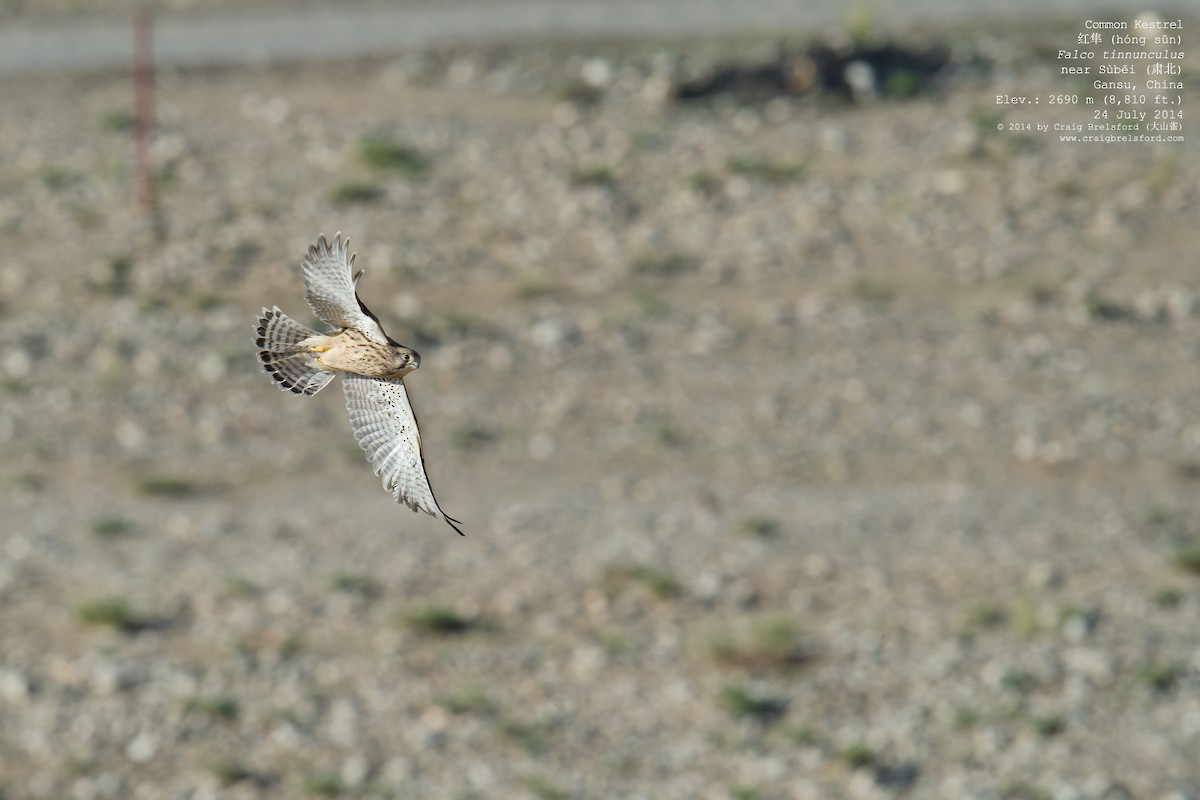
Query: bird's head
point(404, 359)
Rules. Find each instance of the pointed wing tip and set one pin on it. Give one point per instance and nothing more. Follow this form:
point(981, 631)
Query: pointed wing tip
point(324, 243)
point(454, 523)
point(339, 245)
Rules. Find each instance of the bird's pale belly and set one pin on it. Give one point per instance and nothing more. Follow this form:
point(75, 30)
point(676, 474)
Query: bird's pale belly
point(348, 352)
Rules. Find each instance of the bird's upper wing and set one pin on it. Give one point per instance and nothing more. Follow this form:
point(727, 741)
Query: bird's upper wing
point(330, 288)
point(386, 428)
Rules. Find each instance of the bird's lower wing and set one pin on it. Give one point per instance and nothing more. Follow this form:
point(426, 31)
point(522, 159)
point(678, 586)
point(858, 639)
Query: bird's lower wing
point(386, 428)
point(329, 288)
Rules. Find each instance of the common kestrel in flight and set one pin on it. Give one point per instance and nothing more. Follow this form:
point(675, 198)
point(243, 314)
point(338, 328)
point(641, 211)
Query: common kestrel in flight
point(372, 365)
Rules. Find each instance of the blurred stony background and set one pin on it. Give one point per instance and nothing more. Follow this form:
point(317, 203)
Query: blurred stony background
point(806, 447)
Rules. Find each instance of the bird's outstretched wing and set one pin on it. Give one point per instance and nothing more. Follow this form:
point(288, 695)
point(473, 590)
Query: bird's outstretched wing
point(386, 428)
point(329, 282)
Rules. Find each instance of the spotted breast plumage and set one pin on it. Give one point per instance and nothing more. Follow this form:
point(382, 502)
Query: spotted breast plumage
point(373, 365)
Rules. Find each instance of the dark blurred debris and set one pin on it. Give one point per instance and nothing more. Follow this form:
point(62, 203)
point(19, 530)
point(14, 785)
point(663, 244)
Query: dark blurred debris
point(853, 71)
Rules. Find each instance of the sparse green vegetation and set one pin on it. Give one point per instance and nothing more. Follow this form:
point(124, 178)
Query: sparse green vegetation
point(118, 120)
point(467, 701)
point(1188, 470)
point(1019, 681)
point(1083, 619)
point(666, 432)
point(740, 702)
point(1164, 172)
point(1042, 293)
point(985, 119)
point(594, 175)
point(613, 642)
point(229, 771)
point(967, 717)
point(471, 437)
point(772, 644)
point(661, 583)
point(645, 140)
point(56, 177)
point(1050, 725)
point(363, 586)
point(116, 281)
point(805, 736)
point(761, 526)
point(1022, 616)
point(1020, 790)
point(354, 192)
point(874, 293)
point(902, 83)
point(706, 182)
point(289, 645)
point(984, 616)
point(167, 486)
point(74, 764)
point(111, 527)
point(323, 783)
point(447, 326)
point(1160, 677)
point(532, 287)
point(580, 93)
point(218, 707)
point(1158, 515)
point(242, 255)
point(857, 755)
point(542, 788)
point(239, 586)
point(1187, 559)
point(669, 264)
point(438, 620)
point(1067, 188)
point(1105, 310)
point(110, 612)
point(532, 737)
point(382, 153)
point(775, 172)
point(860, 21)
point(1168, 597)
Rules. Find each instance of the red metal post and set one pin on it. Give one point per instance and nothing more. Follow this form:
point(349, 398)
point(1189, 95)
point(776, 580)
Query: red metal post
point(143, 108)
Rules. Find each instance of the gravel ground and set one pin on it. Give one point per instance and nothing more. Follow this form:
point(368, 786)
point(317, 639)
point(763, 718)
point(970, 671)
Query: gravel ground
point(804, 450)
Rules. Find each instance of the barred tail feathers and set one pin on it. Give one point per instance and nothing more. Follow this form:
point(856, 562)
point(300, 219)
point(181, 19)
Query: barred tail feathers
point(294, 370)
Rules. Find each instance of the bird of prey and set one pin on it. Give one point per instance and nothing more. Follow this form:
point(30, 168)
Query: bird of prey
point(372, 365)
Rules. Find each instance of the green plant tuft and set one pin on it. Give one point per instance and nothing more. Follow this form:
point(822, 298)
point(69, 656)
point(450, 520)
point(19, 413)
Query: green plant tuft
point(111, 527)
point(323, 783)
point(740, 702)
point(219, 707)
point(353, 192)
point(438, 620)
point(858, 755)
point(595, 175)
point(1187, 559)
point(363, 586)
point(776, 172)
point(110, 612)
point(382, 153)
